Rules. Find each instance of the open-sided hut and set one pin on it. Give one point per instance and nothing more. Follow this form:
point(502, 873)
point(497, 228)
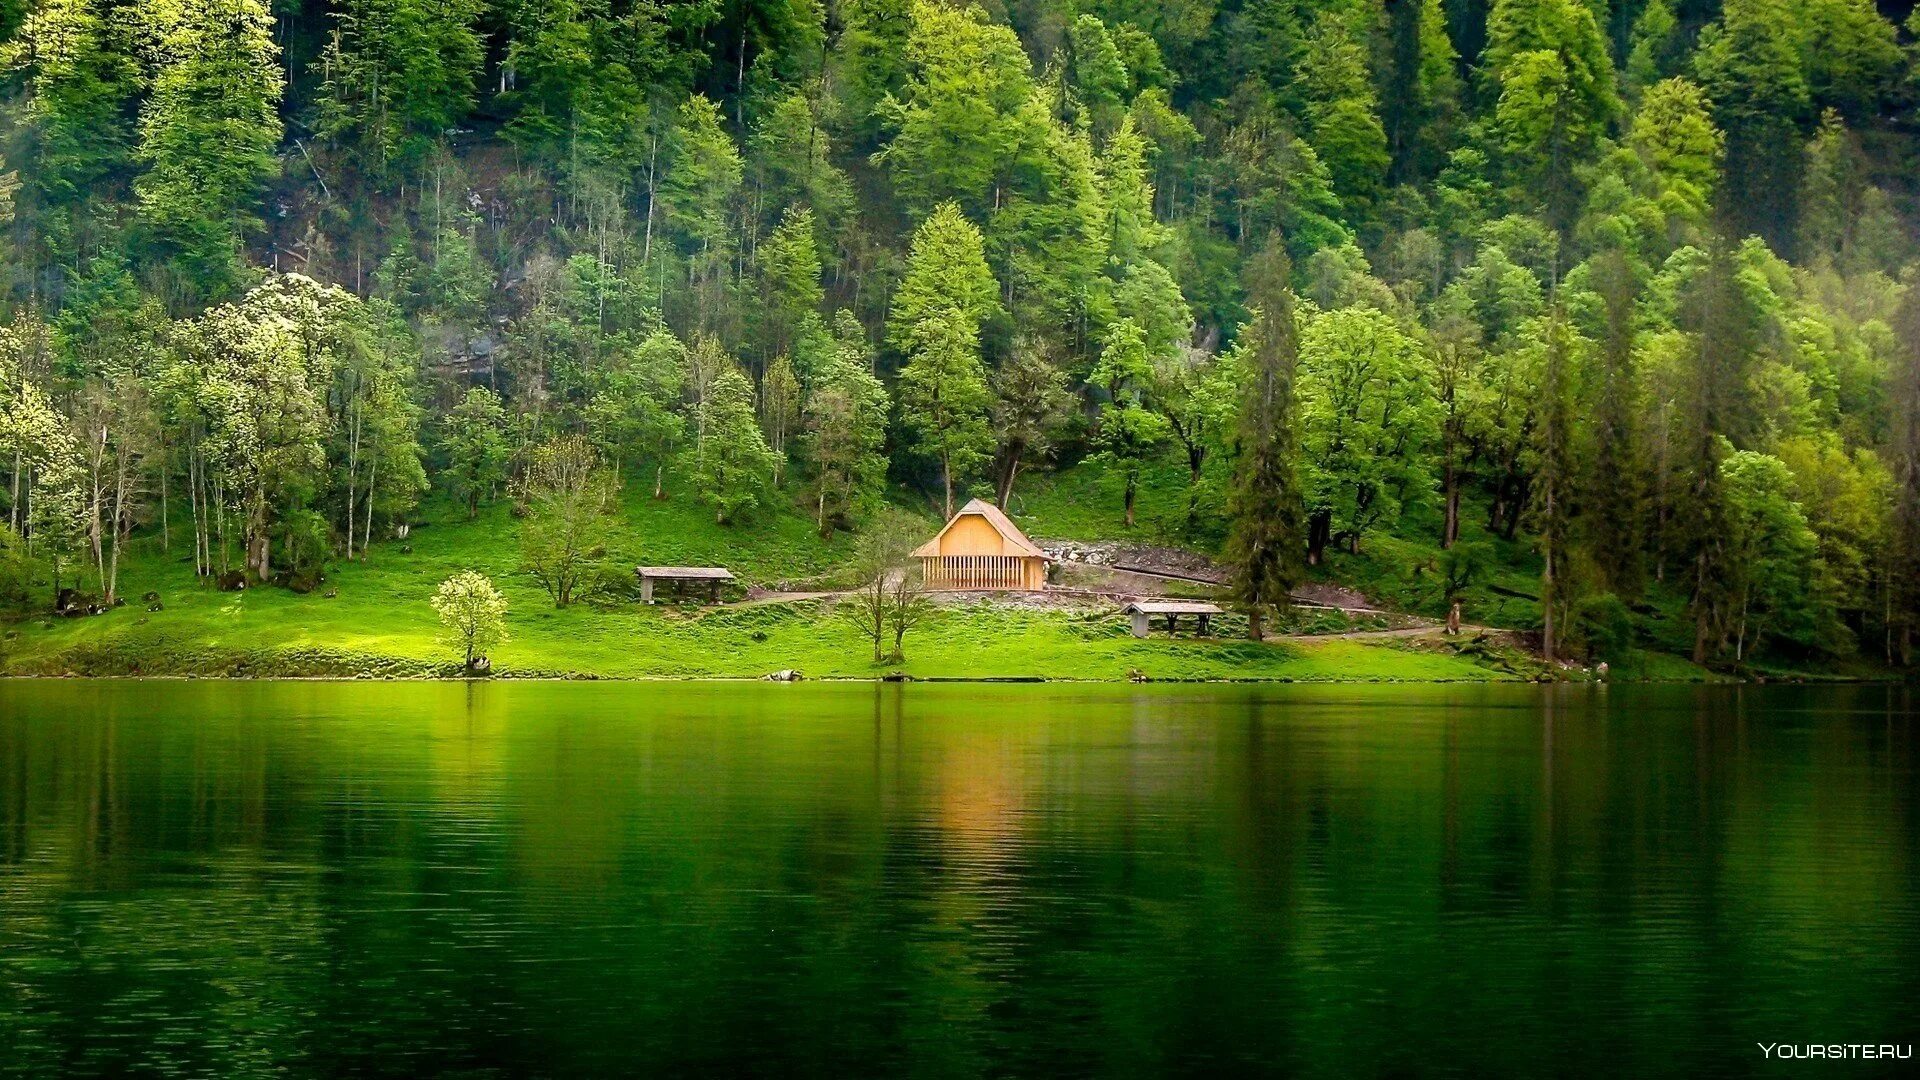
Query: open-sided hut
point(980, 549)
point(683, 578)
point(1143, 611)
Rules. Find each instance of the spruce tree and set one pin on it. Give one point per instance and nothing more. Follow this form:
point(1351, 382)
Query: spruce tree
point(1615, 480)
point(1903, 462)
point(1724, 326)
point(1265, 539)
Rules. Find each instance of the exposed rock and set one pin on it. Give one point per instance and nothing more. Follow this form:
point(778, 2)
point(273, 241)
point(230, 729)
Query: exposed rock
point(783, 675)
point(1143, 558)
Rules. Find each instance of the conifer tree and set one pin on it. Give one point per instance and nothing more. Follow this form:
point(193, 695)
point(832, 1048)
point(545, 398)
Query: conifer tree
point(1266, 539)
point(944, 398)
point(1614, 504)
point(397, 74)
point(208, 131)
point(75, 78)
point(1903, 463)
point(946, 273)
point(1751, 68)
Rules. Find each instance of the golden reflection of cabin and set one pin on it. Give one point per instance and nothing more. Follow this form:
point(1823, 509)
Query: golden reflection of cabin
point(980, 549)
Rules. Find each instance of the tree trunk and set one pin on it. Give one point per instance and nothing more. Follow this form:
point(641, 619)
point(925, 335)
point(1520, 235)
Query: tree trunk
point(1319, 529)
point(1009, 469)
point(946, 482)
point(1700, 619)
point(366, 537)
point(1547, 598)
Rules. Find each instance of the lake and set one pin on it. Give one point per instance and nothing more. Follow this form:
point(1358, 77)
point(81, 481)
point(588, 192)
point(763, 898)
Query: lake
point(230, 879)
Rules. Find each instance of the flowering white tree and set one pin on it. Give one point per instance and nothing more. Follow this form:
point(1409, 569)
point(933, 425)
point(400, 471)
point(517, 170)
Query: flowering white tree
point(473, 613)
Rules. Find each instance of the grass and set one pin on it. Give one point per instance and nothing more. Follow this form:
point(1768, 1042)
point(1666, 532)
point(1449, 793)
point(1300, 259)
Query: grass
point(371, 618)
point(1088, 504)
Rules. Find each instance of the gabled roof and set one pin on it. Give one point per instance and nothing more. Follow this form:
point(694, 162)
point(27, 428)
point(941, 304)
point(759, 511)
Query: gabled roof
point(686, 573)
point(1173, 607)
point(1009, 532)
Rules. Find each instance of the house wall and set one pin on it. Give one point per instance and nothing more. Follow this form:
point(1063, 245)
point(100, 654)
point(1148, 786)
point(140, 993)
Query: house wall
point(971, 535)
point(983, 572)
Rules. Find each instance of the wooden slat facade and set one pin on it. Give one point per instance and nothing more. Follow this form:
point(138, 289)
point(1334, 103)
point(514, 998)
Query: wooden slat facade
point(984, 572)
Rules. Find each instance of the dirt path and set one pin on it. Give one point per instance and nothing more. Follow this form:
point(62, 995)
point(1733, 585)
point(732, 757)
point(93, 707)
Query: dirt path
point(781, 598)
point(1433, 631)
point(1405, 633)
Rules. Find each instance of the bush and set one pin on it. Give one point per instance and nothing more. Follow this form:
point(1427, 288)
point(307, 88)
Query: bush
point(1604, 627)
point(17, 570)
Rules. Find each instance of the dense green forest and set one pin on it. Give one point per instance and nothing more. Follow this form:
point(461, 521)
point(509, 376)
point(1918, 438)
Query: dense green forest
point(1627, 286)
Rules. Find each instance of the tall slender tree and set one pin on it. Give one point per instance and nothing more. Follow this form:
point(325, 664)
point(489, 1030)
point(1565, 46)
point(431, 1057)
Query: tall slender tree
point(1266, 539)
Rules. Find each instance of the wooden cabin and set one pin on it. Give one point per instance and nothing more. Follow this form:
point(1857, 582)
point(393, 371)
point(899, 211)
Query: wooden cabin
point(980, 550)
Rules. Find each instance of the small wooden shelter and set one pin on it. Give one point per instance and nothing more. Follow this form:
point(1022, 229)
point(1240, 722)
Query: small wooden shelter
point(1143, 611)
point(981, 549)
point(683, 576)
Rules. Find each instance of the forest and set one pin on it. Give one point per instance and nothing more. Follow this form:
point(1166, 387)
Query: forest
point(1623, 295)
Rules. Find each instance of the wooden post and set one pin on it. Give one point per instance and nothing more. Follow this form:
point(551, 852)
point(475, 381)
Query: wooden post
point(646, 589)
point(1142, 624)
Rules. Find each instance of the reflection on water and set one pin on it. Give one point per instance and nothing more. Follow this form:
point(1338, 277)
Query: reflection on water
point(215, 879)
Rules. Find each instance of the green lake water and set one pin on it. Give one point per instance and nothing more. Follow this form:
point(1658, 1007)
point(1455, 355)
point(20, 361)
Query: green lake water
point(952, 880)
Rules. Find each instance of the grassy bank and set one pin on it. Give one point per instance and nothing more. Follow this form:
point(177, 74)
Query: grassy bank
point(372, 618)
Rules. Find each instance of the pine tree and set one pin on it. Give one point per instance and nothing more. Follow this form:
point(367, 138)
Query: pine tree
point(1651, 52)
point(208, 131)
point(961, 115)
point(1751, 68)
point(1614, 501)
point(944, 398)
point(946, 273)
point(790, 280)
point(1903, 463)
point(735, 473)
point(1548, 64)
point(1343, 113)
point(1723, 325)
point(1553, 482)
point(1436, 88)
point(397, 74)
point(475, 440)
point(75, 79)
point(1266, 538)
point(846, 421)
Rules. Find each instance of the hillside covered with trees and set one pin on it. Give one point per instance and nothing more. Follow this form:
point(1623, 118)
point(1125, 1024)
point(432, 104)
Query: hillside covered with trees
point(1615, 300)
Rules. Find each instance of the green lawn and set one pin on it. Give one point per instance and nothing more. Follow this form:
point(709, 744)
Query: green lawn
point(379, 623)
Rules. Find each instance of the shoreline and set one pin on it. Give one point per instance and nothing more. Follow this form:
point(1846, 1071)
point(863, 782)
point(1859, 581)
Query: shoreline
point(1494, 679)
